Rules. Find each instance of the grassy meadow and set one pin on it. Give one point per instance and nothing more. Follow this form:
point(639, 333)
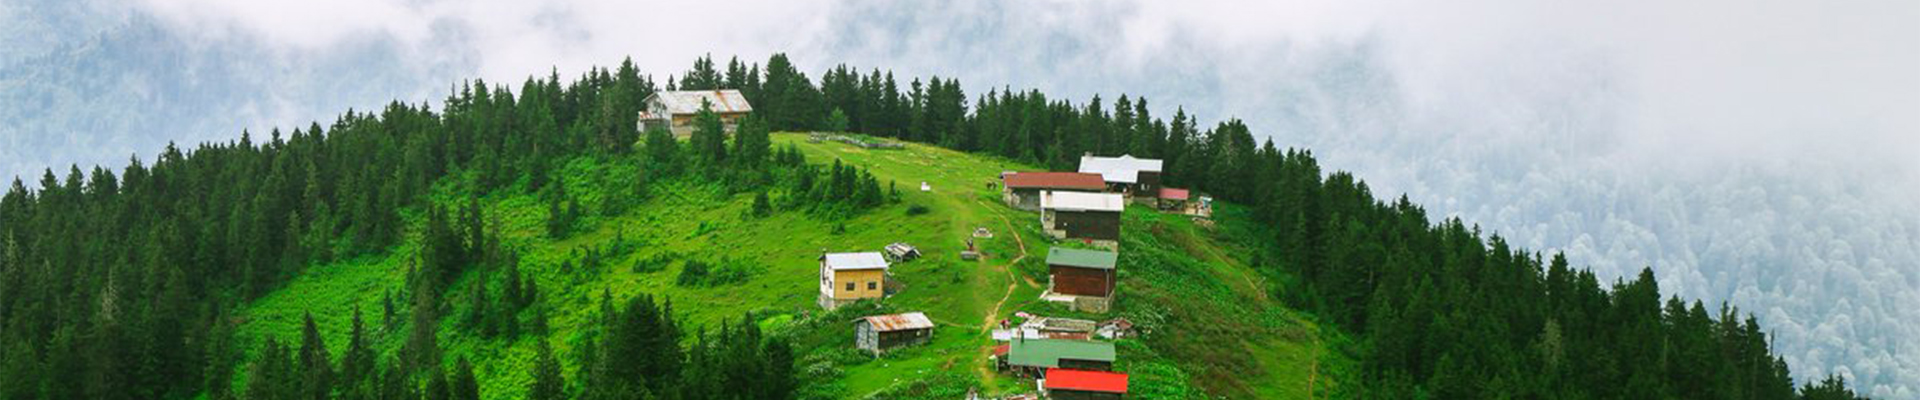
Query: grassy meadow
point(1213, 323)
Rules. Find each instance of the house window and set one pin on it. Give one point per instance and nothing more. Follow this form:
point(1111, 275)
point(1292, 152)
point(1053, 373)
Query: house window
point(849, 286)
point(873, 285)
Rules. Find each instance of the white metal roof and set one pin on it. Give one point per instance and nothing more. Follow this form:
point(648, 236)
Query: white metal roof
point(689, 101)
point(852, 261)
point(1122, 169)
point(1082, 201)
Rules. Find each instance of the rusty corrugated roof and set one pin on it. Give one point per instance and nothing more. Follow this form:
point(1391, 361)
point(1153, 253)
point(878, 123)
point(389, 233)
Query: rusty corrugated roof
point(1056, 180)
point(899, 322)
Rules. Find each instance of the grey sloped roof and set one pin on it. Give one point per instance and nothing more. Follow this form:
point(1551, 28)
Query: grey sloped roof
point(689, 101)
point(851, 261)
point(1122, 169)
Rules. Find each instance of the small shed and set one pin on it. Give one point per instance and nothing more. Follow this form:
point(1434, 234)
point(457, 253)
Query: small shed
point(1093, 218)
point(1116, 328)
point(881, 333)
point(1081, 272)
point(1022, 189)
point(1073, 384)
point(1172, 199)
point(1035, 356)
point(902, 252)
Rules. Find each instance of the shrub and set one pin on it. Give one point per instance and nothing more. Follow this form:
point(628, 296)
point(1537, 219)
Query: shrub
point(917, 209)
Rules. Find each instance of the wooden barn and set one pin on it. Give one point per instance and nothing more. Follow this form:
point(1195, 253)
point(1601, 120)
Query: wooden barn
point(1073, 384)
point(1032, 357)
point(1022, 189)
point(1125, 174)
point(674, 110)
point(1092, 218)
point(882, 333)
point(849, 277)
point(1080, 272)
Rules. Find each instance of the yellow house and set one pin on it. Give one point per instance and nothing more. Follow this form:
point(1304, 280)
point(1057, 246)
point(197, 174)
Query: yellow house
point(849, 277)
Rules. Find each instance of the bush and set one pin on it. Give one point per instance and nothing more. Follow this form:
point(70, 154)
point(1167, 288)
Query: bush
point(917, 209)
point(700, 273)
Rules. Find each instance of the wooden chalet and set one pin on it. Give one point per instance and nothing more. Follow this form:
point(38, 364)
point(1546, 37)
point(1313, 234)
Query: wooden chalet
point(1125, 174)
point(881, 333)
point(1073, 384)
point(1032, 357)
point(849, 277)
point(1080, 272)
point(675, 110)
point(1092, 218)
point(1022, 189)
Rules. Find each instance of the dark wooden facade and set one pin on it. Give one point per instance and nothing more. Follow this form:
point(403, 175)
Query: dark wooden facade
point(1081, 281)
point(1068, 394)
point(1089, 365)
point(1148, 184)
point(1096, 225)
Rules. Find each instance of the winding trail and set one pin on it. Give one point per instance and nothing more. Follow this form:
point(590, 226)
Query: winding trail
point(987, 322)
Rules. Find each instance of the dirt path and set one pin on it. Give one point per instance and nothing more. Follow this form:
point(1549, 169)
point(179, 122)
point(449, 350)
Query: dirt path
point(987, 322)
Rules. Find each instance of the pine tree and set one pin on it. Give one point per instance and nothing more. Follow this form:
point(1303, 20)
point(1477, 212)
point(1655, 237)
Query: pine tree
point(316, 380)
point(463, 386)
point(548, 384)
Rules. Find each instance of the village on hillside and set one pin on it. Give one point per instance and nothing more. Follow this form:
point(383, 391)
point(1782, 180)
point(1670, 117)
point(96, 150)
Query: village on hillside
point(1081, 211)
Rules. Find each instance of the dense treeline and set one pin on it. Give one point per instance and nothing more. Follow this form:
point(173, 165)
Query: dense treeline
point(1443, 310)
point(119, 286)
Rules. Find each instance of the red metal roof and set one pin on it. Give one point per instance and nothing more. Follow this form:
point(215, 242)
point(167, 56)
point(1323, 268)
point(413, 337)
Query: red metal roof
point(1173, 194)
point(1056, 180)
point(1090, 381)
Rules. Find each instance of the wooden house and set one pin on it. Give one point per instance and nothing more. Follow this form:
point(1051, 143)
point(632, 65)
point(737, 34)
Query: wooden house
point(849, 277)
point(1080, 272)
point(1073, 384)
point(675, 110)
point(1092, 218)
point(1032, 357)
point(1022, 189)
point(1125, 174)
point(881, 333)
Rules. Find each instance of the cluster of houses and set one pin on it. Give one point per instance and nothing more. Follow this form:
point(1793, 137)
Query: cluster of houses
point(1086, 205)
point(1063, 355)
point(1067, 356)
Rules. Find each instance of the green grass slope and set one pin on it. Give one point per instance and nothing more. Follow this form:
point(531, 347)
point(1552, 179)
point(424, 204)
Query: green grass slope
point(1214, 330)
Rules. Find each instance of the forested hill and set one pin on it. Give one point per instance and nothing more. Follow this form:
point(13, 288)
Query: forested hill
point(487, 229)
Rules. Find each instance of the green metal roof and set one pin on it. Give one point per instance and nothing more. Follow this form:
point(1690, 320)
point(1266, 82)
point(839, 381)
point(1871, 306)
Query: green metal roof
point(1081, 258)
point(1048, 352)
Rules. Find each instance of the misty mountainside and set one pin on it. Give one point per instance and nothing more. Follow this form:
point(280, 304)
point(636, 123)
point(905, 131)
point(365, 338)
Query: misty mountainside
point(1553, 152)
point(99, 88)
point(529, 244)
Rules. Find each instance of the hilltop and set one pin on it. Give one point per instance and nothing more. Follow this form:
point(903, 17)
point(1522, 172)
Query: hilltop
point(1192, 282)
point(535, 244)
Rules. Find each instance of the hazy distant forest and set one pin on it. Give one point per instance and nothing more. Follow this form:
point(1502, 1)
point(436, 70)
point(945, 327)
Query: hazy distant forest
point(120, 285)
